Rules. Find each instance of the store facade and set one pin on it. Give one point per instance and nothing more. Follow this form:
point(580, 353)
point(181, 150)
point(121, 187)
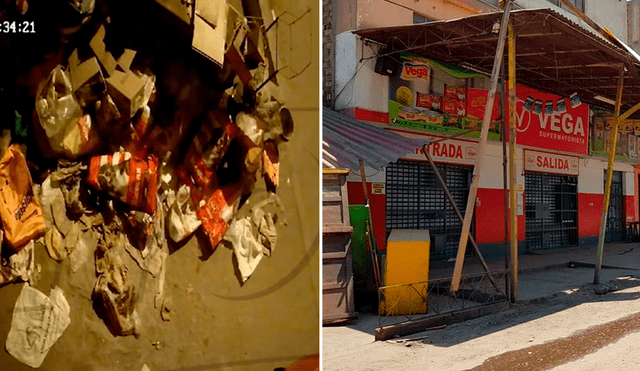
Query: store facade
point(562, 144)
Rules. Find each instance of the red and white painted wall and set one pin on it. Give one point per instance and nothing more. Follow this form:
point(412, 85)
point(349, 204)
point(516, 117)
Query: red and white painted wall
point(489, 211)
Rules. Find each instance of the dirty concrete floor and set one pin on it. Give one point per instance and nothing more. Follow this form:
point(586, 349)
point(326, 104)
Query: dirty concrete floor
point(216, 324)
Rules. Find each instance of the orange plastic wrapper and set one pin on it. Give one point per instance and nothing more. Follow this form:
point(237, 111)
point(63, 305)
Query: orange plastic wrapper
point(130, 179)
point(21, 214)
point(218, 211)
point(270, 164)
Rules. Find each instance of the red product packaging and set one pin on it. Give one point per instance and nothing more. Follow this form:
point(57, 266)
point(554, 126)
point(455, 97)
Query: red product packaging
point(453, 92)
point(218, 211)
point(130, 179)
point(454, 107)
point(429, 101)
point(136, 145)
point(208, 148)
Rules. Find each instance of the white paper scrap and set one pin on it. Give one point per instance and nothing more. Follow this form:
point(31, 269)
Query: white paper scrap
point(38, 321)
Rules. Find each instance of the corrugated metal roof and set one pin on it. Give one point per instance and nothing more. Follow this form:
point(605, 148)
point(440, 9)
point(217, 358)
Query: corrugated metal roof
point(345, 140)
point(553, 53)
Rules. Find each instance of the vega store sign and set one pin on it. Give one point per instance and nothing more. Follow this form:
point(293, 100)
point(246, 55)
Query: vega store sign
point(549, 121)
point(550, 163)
point(415, 71)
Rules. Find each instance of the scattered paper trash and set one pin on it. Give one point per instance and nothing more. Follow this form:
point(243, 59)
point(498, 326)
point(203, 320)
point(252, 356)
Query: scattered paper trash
point(19, 266)
point(38, 321)
point(246, 248)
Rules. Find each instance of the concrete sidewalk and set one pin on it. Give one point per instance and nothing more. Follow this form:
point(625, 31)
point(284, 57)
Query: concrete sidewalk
point(542, 275)
point(547, 272)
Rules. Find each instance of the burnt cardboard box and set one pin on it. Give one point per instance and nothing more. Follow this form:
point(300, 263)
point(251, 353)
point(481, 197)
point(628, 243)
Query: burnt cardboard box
point(182, 10)
point(107, 60)
point(127, 90)
point(123, 85)
point(209, 36)
point(86, 79)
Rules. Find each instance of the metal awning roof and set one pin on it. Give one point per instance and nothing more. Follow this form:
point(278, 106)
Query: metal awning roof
point(553, 53)
point(345, 140)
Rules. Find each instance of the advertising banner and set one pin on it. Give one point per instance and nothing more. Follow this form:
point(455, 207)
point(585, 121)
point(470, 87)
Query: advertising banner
point(414, 103)
point(551, 122)
point(627, 142)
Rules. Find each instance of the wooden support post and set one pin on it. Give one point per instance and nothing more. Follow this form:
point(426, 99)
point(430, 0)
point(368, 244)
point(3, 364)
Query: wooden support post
point(477, 170)
point(505, 180)
point(513, 194)
point(443, 184)
point(370, 235)
point(607, 187)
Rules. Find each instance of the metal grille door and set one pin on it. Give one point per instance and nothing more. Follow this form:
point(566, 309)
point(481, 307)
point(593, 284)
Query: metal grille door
point(415, 200)
point(615, 224)
point(551, 211)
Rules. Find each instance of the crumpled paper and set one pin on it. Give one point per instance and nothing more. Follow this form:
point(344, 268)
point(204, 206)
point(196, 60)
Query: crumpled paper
point(115, 293)
point(148, 245)
point(63, 236)
point(19, 266)
point(183, 220)
point(246, 248)
point(253, 236)
point(38, 321)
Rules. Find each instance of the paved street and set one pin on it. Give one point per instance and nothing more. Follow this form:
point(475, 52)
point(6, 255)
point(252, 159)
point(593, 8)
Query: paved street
point(562, 324)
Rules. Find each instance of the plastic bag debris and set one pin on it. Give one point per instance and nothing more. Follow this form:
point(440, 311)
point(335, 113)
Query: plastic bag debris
point(182, 220)
point(20, 211)
point(56, 104)
point(115, 294)
point(253, 236)
point(38, 321)
point(130, 179)
point(19, 266)
point(83, 249)
point(64, 236)
point(69, 132)
point(148, 245)
point(246, 248)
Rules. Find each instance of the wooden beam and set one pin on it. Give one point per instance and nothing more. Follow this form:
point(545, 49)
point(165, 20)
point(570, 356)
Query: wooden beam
point(477, 170)
point(443, 184)
point(629, 112)
point(421, 324)
point(513, 189)
point(607, 187)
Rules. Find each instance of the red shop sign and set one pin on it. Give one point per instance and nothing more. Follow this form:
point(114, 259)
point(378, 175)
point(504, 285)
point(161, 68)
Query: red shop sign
point(551, 163)
point(549, 121)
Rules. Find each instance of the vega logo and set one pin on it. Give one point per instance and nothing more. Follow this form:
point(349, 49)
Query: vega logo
point(556, 122)
point(413, 71)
